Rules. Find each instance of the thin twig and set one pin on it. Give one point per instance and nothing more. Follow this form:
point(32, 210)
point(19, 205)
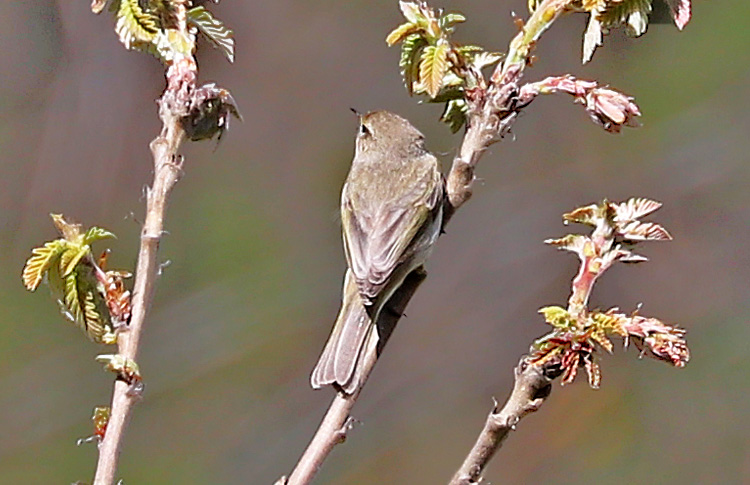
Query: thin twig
point(533, 385)
point(167, 172)
point(334, 426)
point(181, 77)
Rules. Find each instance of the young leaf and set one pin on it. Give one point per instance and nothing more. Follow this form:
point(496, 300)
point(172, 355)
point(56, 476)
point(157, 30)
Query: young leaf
point(600, 337)
point(135, 26)
point(41, 260)
point(558, 317)
point(533, 4)
point(411, 51)
point(98, 5)
point(69, 231)
point(85, 304)
point(401, 32)
point(484, 59)
point(634, 208)
point(170, 43)
point(101, 419)
point(410, 10)
point(643, 231)
point(97, 233)
point(433, 67)
point(72, 256)
point(680, 10)
point(572, 242)
point(633, 13)
point(592, 38)
point(593, 371)
point(589, 215)
point(214, 30)
point(449, 20)
point(125, 368)
point(454, 114)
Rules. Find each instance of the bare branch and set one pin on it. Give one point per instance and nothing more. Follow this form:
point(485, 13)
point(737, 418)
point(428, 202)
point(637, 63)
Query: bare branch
point(335, 424)
point(533, 384)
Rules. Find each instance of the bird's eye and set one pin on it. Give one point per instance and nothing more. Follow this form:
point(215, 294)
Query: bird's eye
point(363, 130)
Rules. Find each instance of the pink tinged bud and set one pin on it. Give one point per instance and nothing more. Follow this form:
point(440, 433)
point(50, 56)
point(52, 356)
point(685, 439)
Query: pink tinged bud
point(611, 109)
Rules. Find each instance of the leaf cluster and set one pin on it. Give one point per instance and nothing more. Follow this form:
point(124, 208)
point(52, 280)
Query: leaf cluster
point(578, 333)
point(94, 299)
point(432, 64)
point(153, 26)
point(633, 15)
point(100, 418)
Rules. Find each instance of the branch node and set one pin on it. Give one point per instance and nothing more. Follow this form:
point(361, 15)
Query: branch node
point(349, 424)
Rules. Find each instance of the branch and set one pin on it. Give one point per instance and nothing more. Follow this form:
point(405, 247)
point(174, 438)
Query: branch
point(577, 331)
point(336, 423)
point(492, 112)
point(533, 384)
point(181, 77)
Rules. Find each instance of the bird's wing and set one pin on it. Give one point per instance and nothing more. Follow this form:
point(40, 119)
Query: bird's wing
point(379, 237)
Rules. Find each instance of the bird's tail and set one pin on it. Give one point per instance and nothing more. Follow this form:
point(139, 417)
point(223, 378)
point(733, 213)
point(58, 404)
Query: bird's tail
point(342, 359)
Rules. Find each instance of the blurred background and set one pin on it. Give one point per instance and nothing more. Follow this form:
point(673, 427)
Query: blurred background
point(246, 304)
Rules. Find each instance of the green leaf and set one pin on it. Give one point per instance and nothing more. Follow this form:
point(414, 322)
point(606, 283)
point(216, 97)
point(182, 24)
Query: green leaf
point(433, 67)
point(214, 30)
point(600, 338)
point(136, 27)
point(85, 303)
point(72, 256)
point(97, 233)
point(449, 20)
point(125, 368)
point(41, 260)
point(451, 92)
point(454, 114)
point(94, 320)
point(401, 32)
point(171, 42)
point(73, 300)
point(411, 50)
point(558, 317)
point(468, 50)
point(609, 322)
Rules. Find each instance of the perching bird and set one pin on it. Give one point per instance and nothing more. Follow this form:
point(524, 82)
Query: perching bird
point(391, 213)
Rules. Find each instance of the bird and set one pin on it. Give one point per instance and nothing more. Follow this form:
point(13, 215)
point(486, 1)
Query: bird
point(391, 214)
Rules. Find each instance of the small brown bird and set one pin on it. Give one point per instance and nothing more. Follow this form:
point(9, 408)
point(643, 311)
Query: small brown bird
point(391, 213)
